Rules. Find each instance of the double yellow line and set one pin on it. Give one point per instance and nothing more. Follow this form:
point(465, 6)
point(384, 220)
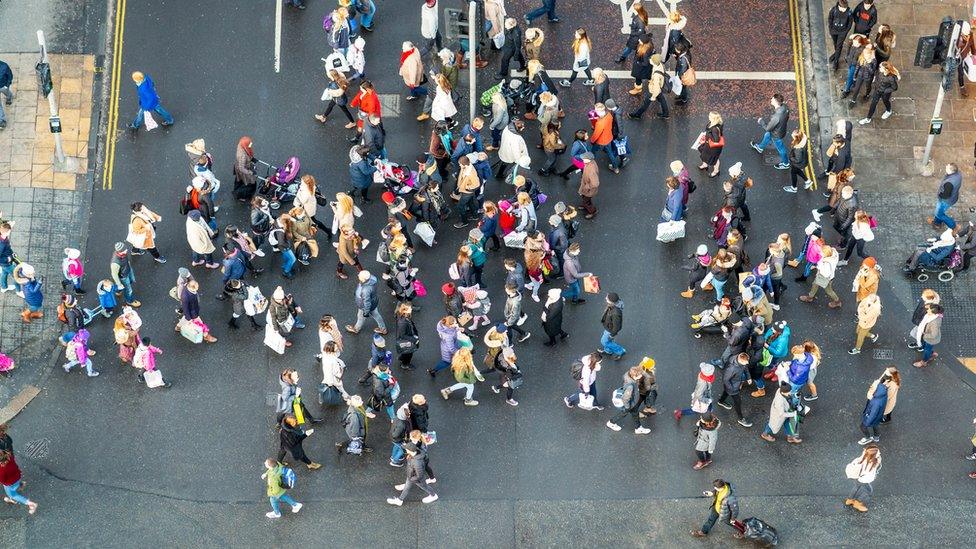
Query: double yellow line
point(801, 87)
point(113, 100)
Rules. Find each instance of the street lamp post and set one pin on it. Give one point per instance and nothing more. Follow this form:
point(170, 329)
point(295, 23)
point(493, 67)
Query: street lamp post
point(935, 127)
point(55, 120)
point(473, 52)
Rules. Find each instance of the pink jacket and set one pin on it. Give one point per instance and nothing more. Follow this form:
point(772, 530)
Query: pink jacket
point(73, 268)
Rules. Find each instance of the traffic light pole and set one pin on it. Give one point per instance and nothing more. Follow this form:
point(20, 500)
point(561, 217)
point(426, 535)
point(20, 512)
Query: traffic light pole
point(55, 121)
point(927, 168)
point(473, 52)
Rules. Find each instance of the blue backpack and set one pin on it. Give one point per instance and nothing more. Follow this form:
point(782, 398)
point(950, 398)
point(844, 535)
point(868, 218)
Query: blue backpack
point(287, 480)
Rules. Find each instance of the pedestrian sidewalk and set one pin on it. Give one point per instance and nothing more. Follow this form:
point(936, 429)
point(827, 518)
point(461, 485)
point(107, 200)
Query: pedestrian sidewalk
point(887, 153)
point(50, 208)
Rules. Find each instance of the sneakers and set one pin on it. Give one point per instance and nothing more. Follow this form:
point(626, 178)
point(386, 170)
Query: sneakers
point(470, 402)
point(724, 405)
point(774, 306)
point(807, 184)
point(811, 398)
point(395, 501)
point(495, 390)
point(842, 263)
point(566, 402)
point(446, 394)
point(395, 464)
point(816, 215)
point(8, 289)
point(512, 402)
point(744, 422)
point(430, 499)
point(589, 82)
point(93, 374)
point(864, 121)
point(971, 457)
point(272, 515)
point(789, 189)
point(641, 431)
point(197, 263)
point(613, 426)
point(526, 336)
point(782, 166)
point(756, 147)
point(865, 440)
point(886, 115)
point(565, 83)
point(874, 338)
point(854, 351)
point(313, 466)
point(160, 260)
point(296, 508)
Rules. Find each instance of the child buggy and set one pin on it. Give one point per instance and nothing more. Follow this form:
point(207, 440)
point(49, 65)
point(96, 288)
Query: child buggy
point(396, 178)
point(758, 531)
point(279, 183)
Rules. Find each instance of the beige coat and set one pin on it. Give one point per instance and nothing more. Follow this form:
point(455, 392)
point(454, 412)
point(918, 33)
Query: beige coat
point(495, 15)
point(412, 69)
point(141, 223)
point(868, 311)
point(534, 47)
point(306, 200)
point(866, 284)
point(348, 248)
point(590, 181)
point(198, 236)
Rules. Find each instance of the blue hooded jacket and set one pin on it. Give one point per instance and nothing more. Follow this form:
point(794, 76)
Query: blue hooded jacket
point(32, 293)
point(148, 100)
point(780, 348)
point(800, 369)
point(874, 408)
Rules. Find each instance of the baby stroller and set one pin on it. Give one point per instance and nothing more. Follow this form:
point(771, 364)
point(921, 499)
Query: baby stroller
point(714, 320)
point(279, 183)
point(946, 267)
point(396, 178)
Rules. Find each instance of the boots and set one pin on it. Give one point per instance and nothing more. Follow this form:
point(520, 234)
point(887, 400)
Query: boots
point(688, 294)
point(26, 316)
point(37, 314)
point(636, 90)
point(254, 323)
point(758, 393)
point(859, 506)
point(233, 323)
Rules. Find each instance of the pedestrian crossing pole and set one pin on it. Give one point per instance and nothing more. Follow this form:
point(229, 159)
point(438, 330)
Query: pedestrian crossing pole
point(473, 53)
point(46, 88)
point(935, 126)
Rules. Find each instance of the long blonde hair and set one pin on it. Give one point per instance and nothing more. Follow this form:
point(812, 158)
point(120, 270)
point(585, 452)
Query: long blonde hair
point(580, 40)
point(714, 119)
point(344, 204)
point(462, 361)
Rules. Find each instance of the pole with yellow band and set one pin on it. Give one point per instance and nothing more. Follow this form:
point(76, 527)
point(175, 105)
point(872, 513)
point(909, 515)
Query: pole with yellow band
point(113, 102)
point(801, 87)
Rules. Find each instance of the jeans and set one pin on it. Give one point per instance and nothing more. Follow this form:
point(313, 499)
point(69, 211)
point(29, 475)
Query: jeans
point(635, 413)
point(167, 117)
point(787, 428)
point(468, 389)
point(572, 291)
point(849, 83)
point(11, 492)
point(610, 346)
point(547, 7)
point(441, 365)
point(289, 257)
point(861, 492)
point(10, 97)
point(5, 272)
point(496, 137)
point(276, 502)
point(88, 365)
point(719, 286)
point(397, 455)
point(942, 216)
point(778, 142)
point(624, 53)
point(367, 19)
point(127, 282)
point(611, 153)
point(927, 350)
point(209, 258)
point(375, 314)
point(418, 91)
point(870, 431)
point(410, 484)
point(575, 397)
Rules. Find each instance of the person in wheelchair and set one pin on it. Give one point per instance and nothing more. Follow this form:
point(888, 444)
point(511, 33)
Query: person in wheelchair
point(934, 254)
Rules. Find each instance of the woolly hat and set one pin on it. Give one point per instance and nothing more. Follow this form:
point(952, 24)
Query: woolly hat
point(501, 328)
point(702, 250)
point(476, 234)
point(677, 166)
point(870, 262)
point(647, 363)
point(72, 253)
point(706, 368)
point(448, 289)
point(610, 104)
point(612, 297)
point(411, 447)
point(279, 293)
point(194, 215)
point(120, 247)
point(735, 170)
point(363, 276)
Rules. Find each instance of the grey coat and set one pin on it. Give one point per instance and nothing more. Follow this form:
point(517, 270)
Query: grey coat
point(778, 123)
point(355, 423)
point(707, 438)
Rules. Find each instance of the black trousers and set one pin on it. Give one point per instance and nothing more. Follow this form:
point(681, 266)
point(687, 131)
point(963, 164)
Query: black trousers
point(343, 108)
point(838, 40)
point(883, 97)
point(297, 452)
point(736, 402)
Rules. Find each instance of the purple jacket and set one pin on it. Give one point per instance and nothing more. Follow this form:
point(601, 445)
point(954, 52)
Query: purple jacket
point(449, 344)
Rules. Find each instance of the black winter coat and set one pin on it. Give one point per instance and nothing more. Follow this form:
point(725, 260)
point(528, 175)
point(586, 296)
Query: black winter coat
point(613, 319)
point(419, 416)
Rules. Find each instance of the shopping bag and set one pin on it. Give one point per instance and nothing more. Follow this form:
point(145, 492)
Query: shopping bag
point(192, 331)
point(622, 146)
point(425, 232)
point(419, 288)
point(498, 40)
point(669, 231)
point(153, 379)
point(329, 395)
point(138, 240)
point(591, 284)
point(288, 324)
point(273, 339)
point(676, 86)
point(515, 239)
point(430, 437)
point(149, 120)
point(698, 141)
point(298, 410)
point(585, 401)
point(382, 255)
point(970, 67)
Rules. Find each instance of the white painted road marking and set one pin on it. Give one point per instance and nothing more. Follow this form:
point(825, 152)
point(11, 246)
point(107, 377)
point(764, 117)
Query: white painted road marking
point(702, 75)
point(277, 45)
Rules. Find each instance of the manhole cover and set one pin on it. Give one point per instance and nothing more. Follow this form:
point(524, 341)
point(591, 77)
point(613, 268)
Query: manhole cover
point(883, 354)
point(770, 159)
point(38, 449)
point(390, 104)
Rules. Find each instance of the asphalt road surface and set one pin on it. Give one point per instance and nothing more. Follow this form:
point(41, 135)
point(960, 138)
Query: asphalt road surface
point(127, 466)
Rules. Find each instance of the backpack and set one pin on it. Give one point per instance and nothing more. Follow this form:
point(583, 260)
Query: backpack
point(303, 253)
point(666, 88)
point(185, 204)
point(287, 479)
point(71, 350)
point(273, 236)
point(62, 317)
point(618, 398)
point(691, 186)
point(577, 370)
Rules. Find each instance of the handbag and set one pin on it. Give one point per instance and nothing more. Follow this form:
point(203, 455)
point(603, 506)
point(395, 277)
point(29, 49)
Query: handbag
point(149, 120)
point(622, 146)
point(406, 345)
point(138, 240)
point(153, 379)
point(515, 239)
point(689, 78)
point(669, 231)
point(666, 214)
point(425, 232)
point(273, 339)
point(585, 401)
point(382, 254)
point(329, 395)
point(193, 331)
point(419, 288)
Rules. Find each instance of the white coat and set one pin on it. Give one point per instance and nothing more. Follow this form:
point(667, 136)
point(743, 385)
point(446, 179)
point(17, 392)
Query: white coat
point(779, 412)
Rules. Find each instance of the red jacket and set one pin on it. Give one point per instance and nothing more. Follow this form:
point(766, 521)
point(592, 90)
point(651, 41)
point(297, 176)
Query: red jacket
point(9, 472)
point(367, 102)
point(602, 130)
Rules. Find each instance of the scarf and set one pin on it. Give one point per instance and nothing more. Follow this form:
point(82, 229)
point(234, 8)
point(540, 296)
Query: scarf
point(405, 55)
point(709, 379)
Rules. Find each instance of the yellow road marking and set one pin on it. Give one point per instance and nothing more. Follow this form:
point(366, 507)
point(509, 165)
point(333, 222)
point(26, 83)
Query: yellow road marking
point(801, 88)
point(969, 363)
point(113, 103)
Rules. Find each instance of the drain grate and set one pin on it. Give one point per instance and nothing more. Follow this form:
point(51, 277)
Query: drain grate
point(390, 103)
point(38, 449)
point(883, 354)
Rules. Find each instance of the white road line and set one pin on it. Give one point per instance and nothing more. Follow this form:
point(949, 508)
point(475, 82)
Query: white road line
point(702, 75)
point(277, 45)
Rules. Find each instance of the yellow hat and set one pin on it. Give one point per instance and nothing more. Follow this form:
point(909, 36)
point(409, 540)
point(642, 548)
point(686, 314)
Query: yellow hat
point(647, 363)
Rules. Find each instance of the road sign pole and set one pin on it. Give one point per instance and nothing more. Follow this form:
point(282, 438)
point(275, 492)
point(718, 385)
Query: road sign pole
point(55, 124)
point(947, 75)
point(473, 52)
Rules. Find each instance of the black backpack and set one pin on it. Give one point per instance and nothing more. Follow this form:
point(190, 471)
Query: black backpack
point(666, 88)
point(185, 204)
point(577, 370)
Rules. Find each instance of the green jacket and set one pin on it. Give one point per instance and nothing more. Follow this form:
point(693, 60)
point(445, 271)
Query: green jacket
point(463, 376)
point(273, 478)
